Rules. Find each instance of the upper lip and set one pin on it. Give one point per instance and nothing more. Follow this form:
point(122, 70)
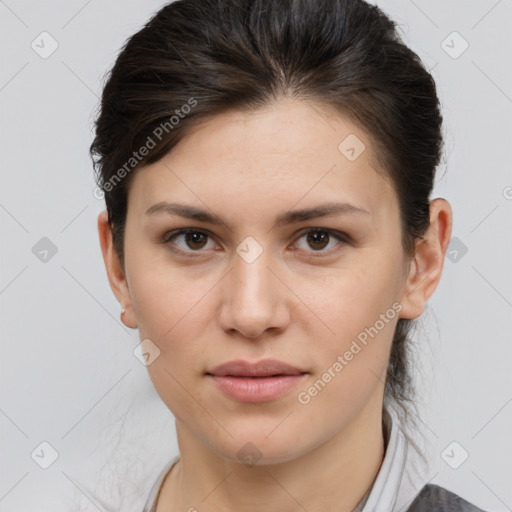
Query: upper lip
point(263, 368)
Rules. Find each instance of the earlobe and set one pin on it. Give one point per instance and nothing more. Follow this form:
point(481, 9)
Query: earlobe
point(426, 268)
point(115, 272)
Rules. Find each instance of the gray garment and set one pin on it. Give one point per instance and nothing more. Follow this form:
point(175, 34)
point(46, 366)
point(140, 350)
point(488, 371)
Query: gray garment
point(394, 490)
point(433, 498)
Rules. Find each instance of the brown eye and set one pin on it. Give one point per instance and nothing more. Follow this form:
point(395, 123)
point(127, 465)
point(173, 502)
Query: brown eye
point(194, 240)
point(318, 239)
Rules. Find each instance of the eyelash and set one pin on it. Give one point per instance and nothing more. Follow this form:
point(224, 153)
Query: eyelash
point(340, 236)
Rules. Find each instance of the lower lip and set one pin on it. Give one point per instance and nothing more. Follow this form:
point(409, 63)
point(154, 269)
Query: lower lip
point(256, 389)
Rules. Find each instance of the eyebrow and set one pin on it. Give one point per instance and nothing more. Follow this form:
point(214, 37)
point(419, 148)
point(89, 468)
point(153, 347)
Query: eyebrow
point(290, 217)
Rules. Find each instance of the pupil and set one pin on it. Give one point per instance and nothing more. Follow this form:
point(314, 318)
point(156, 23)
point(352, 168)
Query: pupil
point(193, 237)
point(315, 238)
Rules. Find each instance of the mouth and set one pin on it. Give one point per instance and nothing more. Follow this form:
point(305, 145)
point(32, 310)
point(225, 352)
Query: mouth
point(256, 382)
point(258, 376)
point(260, 369)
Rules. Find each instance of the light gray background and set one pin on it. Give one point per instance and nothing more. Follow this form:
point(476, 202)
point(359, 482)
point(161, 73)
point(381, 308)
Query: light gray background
point(68, 374)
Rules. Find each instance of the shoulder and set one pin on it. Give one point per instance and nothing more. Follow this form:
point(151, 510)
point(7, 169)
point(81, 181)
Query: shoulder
point(433, 498)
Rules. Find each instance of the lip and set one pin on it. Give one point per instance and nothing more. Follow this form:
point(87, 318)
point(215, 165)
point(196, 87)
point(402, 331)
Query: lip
point(256, 382)
point(263, 368)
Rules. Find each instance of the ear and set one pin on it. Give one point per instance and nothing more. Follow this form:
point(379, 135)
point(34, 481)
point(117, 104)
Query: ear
point(425, 269)
point(115, 272)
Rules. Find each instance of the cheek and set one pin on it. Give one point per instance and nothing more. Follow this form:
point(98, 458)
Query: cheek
point(352, 299)
point(359, 315)
point(173, 310)
point(351, 356)
point(166, 297)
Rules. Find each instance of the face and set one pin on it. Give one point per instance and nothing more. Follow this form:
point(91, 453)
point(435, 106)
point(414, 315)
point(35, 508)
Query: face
point(305, 292)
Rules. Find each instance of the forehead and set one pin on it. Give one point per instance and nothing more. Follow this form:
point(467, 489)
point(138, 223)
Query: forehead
point(286, 154)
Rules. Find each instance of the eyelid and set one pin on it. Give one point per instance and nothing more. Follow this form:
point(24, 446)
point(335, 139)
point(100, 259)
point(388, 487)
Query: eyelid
point(342, 237)
point(168, 236)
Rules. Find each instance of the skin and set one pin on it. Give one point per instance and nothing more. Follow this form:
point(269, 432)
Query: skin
point(288, 304)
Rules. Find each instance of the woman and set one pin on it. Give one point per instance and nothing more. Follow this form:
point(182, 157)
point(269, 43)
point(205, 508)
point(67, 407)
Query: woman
point(267, 167)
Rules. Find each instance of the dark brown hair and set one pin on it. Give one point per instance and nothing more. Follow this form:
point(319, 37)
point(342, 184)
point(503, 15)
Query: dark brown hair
point(196, 59)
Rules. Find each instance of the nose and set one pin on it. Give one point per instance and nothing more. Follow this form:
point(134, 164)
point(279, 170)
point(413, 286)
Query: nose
point(254, 298)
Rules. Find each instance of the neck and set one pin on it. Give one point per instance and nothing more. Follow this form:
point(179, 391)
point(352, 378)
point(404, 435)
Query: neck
point(333, 476)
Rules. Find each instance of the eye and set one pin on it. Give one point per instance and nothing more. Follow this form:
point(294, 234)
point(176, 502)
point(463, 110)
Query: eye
point(319, 238)
point(193, 239)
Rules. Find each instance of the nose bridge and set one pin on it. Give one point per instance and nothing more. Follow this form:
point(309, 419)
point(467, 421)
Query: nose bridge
point(251, 297)
point(252, 278)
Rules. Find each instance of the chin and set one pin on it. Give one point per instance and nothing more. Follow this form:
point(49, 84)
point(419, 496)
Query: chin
point(252, 446)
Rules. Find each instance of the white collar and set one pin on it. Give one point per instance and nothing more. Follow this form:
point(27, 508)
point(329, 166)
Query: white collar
point(384, 492)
